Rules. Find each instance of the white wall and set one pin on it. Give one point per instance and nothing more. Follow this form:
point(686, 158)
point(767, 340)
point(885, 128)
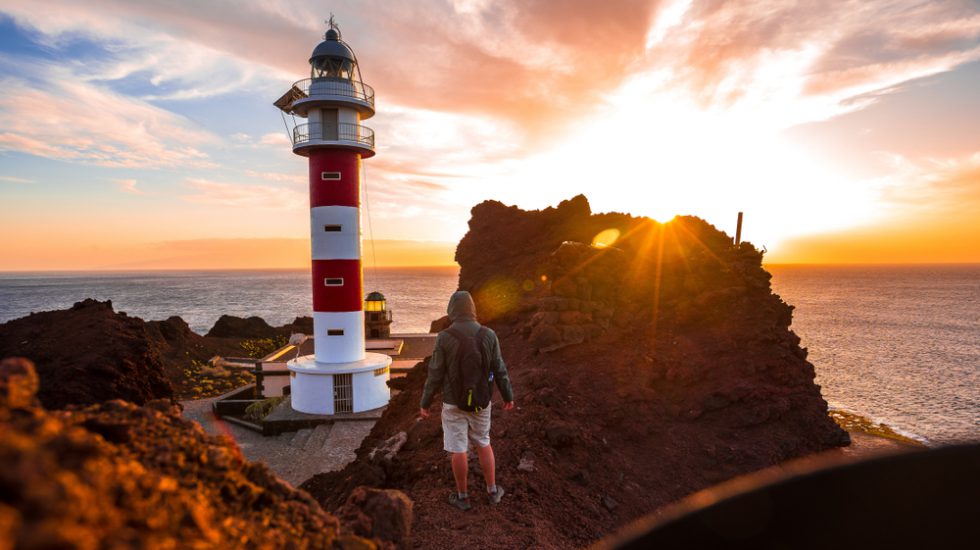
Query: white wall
point(343, 245)
point(338, 349)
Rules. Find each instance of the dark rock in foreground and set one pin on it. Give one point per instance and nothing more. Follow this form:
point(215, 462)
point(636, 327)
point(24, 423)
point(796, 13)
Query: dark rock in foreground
point(117, 475)
point(643, 372)
point(88, 354)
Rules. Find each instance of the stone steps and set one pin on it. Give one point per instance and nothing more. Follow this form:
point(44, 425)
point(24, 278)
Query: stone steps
point(302, 436)
point(319, 436)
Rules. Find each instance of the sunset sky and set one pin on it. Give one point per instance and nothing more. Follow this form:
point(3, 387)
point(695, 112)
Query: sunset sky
point(142, 135)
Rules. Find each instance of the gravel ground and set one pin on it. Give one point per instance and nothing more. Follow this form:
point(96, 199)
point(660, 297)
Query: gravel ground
point(294, 456)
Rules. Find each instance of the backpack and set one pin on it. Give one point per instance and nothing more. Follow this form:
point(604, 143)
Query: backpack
point(470, 376)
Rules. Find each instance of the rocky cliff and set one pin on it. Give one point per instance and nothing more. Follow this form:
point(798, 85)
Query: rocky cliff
point(644, 370)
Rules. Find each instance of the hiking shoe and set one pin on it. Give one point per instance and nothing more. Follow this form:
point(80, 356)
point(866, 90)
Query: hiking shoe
point(461, 503)
point(496, 495)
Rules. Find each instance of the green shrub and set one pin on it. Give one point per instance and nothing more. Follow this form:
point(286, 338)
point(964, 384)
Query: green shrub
point(260, 347)
point(261, 409)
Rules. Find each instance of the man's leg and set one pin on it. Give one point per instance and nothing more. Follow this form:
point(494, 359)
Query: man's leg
point(460, 470)
point(487, 464)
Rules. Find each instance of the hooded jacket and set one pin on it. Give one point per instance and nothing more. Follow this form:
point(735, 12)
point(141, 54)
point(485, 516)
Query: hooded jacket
point(462, 312)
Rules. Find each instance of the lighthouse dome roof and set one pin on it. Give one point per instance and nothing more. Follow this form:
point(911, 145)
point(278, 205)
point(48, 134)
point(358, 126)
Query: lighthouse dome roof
point(333, 47)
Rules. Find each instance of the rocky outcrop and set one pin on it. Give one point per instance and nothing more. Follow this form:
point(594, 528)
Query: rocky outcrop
point(439, 324)
point(117, 475)
point(229, 326)
point(644, 370)
point(89, 354)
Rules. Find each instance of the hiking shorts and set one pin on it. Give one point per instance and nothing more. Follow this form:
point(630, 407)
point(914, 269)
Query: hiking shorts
point(460, 427)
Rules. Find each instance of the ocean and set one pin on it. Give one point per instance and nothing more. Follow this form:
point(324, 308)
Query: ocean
point(897, 344)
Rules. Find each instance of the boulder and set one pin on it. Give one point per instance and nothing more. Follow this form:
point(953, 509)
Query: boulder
point(440, 324)
point(18, 383)
point(229, 326)
point(384, 514)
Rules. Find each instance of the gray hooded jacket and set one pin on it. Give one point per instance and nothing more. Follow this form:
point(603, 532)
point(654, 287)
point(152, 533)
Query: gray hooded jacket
point(462, 312)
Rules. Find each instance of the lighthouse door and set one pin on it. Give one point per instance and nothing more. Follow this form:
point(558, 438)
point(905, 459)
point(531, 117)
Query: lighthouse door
point(329, 119)
point(343, 393)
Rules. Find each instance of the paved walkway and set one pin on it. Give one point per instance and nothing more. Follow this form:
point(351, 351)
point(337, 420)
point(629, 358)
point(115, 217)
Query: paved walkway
point(294, 456)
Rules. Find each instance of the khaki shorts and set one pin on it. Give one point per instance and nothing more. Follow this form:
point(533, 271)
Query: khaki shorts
point(459, 427)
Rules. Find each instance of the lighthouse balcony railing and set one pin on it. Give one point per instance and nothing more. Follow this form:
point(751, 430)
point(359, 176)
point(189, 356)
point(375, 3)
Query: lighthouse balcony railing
point(342, 132)
point(318, 88)
point(378, 316)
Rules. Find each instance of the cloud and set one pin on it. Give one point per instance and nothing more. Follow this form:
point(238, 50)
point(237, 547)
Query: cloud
point(728, 53)
point(64, 118)
point(238, 195)
point(275, 139)
point(937, 187)
point(523, 61)
point(129, 186)
point(15, 179)
point(278, 177)
point(931, 217)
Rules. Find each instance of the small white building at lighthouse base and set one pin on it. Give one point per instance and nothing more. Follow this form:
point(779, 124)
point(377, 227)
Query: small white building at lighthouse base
point(337, 388)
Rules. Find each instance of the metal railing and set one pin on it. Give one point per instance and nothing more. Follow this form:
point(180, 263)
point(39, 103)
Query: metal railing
point(344, 131)
point(320, 87)
point(378, 315)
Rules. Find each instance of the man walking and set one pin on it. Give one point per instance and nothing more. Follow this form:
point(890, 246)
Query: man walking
point(459, 426)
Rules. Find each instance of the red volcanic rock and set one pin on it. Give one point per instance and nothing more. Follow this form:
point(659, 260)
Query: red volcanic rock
point(378, 513)
point(440, 324)
point(18, 383)
point(88, 354)
point(229, 326)
point(116, 475)
point(642, 372)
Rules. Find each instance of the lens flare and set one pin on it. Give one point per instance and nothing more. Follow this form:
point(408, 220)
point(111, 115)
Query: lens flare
point(605, 238)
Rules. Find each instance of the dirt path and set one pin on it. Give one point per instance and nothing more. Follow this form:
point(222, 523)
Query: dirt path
point(294, 456)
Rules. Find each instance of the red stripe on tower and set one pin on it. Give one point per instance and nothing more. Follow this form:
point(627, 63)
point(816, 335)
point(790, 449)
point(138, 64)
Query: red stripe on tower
point(334, 177)
point(337, 285)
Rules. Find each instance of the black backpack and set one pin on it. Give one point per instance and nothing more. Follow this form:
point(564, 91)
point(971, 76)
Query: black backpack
point(469, 376)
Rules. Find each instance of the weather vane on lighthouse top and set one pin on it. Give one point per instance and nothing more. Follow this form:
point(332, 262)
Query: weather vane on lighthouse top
point(332, 24)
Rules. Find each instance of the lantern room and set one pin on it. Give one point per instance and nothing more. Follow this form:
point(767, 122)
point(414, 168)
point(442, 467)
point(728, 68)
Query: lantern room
point(333, 58)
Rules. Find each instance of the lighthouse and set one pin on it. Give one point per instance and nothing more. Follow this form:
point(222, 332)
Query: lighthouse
point(340, 377)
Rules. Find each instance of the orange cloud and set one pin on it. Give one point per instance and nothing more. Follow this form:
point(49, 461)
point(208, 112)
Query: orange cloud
point(932, 221)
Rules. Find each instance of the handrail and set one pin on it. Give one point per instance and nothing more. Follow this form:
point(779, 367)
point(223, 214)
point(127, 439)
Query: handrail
point(344, 131)
point(317, 87)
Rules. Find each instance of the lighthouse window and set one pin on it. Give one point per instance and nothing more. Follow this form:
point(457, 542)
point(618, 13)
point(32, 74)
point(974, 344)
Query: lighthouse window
point(333, 281)
point(330, 176)
point(335, 332)
point(331, 228)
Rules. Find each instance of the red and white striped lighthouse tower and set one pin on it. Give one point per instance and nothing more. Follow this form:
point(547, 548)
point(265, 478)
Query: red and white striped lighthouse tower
point(340, 377)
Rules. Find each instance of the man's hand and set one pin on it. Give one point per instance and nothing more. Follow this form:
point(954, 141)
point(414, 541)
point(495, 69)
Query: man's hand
point(424, 413)
point(508, 405)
